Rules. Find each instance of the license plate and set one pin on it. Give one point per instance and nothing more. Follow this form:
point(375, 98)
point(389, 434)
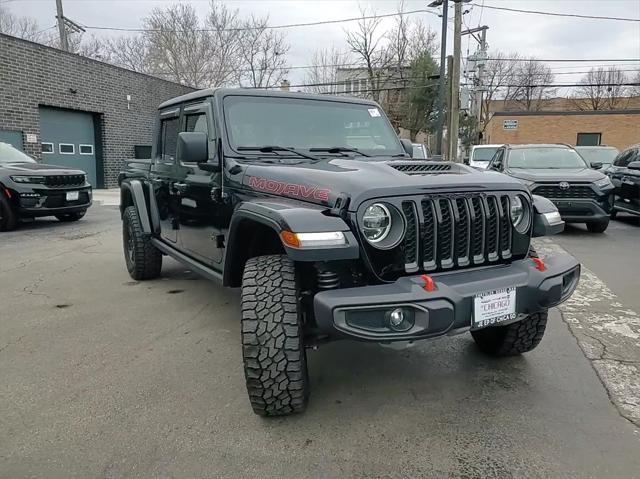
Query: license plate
point(73, 195)
point(493, 307)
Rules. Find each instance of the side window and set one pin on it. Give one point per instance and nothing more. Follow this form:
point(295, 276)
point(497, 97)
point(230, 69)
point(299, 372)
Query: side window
point(624, 158)
point(168, 138)
point(196, 122)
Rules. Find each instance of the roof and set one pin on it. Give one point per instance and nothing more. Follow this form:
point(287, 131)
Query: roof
point(604, 147)
point(222, 92)
point(538, 145)
point(631, 111)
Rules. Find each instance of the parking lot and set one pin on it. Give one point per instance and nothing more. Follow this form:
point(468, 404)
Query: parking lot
point(103, 376)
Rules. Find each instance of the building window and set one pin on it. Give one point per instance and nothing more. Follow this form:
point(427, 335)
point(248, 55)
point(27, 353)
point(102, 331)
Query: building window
point(66, 148)
point(86, 149)
point(47, 148)
point(589, 139)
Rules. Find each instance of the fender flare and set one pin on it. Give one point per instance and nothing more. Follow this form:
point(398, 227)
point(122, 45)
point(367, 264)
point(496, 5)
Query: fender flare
point(136, 188)
point(541, 225)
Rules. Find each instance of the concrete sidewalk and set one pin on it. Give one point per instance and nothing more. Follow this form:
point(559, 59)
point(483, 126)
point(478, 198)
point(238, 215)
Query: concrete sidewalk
point(107, 197)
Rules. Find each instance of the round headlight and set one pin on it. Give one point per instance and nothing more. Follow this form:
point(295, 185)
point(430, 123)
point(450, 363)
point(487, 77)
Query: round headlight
point(519, 214)
point(376, 223)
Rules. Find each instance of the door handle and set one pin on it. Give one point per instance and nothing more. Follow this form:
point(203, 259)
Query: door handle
point(180, 187)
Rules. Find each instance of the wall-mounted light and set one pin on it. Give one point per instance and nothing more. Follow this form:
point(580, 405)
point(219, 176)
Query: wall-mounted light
point(128, 102)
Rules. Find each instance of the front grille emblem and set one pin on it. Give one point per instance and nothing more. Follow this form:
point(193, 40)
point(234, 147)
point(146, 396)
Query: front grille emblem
point(564, 185)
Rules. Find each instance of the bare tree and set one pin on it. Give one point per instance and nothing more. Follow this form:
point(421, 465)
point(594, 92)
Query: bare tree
point(499, 76)
point(26, 28)
point(601, 89)
point(635, 89)
point(262, 54)
point(322, 77)
point(532, 83)
point(225, 63)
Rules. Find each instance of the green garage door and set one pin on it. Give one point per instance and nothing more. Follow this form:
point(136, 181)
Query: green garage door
point(68, 139)
point(12, 137)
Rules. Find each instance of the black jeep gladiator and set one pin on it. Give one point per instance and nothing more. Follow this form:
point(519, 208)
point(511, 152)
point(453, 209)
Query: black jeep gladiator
point(29, 189)
point(313, 206)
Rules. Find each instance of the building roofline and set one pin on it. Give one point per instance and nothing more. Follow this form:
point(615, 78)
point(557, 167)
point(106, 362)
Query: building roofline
point(630, 111)
point(62, 52)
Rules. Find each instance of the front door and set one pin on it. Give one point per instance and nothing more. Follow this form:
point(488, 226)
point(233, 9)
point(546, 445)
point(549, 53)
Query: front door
point(199, 210)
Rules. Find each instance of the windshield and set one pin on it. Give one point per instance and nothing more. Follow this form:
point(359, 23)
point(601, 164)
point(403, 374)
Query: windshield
point(304, 124)
point(542, 158)
point(484, 154)
point(603, 155)
point(9, 154)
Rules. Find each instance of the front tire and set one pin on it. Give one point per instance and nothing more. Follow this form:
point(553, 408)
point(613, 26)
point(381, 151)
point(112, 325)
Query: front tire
point(144, 261)
point(8, 216)
point(512, 339)
point(275, 363)
point(69, 217)
point(598, 226)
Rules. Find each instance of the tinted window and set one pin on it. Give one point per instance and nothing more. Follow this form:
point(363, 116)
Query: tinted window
point(542, 158)
point(197, 122)
point(304, 124)
point(483, 154)
point(626, 157)
point(9, 154)
point(169, 138)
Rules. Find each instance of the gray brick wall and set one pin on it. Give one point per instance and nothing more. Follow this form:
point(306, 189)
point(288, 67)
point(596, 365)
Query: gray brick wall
point(32, 75)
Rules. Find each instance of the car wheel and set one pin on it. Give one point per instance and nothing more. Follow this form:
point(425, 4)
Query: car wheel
point(512, 339)
point(275, 363)
point(598, 226)
point(144, 261)
point(8, 216)
point(69, 217)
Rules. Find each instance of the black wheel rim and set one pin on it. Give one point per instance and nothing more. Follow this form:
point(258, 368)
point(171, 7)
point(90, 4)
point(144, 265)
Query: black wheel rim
point(128, 242)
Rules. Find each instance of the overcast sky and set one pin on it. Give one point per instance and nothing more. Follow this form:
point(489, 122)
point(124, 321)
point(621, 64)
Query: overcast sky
point(531, 35)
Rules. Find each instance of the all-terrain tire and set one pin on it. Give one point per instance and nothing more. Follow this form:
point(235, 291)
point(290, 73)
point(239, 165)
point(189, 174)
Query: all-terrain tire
point(144, 261)
point(69, 217)
point(512, 339)
point(8, 216)
point(273, 352)
point(598, 226)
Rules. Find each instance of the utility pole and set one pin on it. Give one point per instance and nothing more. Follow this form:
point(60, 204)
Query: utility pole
point(454, 113)
point(64, 43)
point(442, 82)
point(480, 86)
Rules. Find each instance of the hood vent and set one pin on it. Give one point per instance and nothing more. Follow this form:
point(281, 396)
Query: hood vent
point(421, 168)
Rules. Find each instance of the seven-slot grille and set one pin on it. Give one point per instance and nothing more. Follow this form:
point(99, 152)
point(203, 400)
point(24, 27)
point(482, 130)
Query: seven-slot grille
point(574, 191)
point(456, 231)
point(64, 180)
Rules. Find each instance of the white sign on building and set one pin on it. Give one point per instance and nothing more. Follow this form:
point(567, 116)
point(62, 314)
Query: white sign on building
point(510, 124)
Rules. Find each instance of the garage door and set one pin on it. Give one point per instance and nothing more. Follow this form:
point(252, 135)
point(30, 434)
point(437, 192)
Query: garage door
point(12, 137)
point(68, 139)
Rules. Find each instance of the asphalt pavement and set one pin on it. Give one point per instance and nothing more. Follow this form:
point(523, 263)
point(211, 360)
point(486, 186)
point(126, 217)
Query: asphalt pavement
point(102, 376)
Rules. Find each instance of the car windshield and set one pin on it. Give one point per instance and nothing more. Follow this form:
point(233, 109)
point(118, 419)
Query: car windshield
point(544, 158)
point(9, 154)
point(254, 121)
point(602, 155)
point(484, 154)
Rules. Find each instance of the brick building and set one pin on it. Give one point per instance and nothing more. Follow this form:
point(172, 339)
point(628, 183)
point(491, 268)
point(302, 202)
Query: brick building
point(65, 109)
point(619, 128)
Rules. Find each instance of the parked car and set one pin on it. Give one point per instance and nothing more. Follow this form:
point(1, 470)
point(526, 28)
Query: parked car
point(625, 175)
point(29, 189)
point(598, 154)
point(481, 155)
point(420, 152)
point(329, 240)
point(558, 172)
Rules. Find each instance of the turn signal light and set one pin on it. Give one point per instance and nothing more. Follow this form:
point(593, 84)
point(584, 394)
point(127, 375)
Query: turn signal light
point(540, 266)
point(313, 240)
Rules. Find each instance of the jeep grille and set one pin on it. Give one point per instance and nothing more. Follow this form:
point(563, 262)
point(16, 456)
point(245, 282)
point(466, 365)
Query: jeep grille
point(64, 180)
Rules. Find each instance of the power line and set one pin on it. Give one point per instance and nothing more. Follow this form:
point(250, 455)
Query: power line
point(568, 60)
point(557, 14)
point(272, 27)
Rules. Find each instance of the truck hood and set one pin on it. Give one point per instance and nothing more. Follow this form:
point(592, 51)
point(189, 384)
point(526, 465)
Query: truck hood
point(324, 181)
point(585, 175)
point(39, 169)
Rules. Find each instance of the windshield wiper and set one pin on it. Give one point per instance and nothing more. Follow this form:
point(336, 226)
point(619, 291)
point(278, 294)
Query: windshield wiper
point(276, 149)
point(339, 149)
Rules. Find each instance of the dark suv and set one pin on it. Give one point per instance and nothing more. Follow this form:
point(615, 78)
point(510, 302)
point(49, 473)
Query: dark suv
point(625, 175)
point(558, 172)
point(29, 189)
point(314, 207)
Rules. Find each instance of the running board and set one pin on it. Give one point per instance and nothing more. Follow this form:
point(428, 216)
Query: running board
point(199, 268)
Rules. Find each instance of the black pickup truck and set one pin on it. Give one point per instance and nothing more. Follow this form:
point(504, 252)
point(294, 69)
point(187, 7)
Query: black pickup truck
point(314, 207)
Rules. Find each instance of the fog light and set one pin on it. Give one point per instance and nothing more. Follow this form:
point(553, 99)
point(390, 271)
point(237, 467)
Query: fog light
point(400, 319)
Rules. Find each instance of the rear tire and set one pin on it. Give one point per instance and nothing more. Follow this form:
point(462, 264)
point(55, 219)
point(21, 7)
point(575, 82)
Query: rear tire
point(69, 217)
point(275, 363)
point(8, 216)
point(512, 339)
point(144, 261)
point(598, 226)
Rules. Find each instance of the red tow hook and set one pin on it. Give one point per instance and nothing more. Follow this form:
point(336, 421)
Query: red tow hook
point(429, 283)
point(540, 266)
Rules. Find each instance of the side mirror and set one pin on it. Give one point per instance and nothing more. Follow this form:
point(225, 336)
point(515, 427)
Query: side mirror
point(192, 147)
point(634, 165)
point(596, 165)
point(407, 146)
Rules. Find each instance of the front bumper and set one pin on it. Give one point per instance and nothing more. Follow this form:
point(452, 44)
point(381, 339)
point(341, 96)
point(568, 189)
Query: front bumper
point(582, 211)
point(449, 308)
point(38, 202)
